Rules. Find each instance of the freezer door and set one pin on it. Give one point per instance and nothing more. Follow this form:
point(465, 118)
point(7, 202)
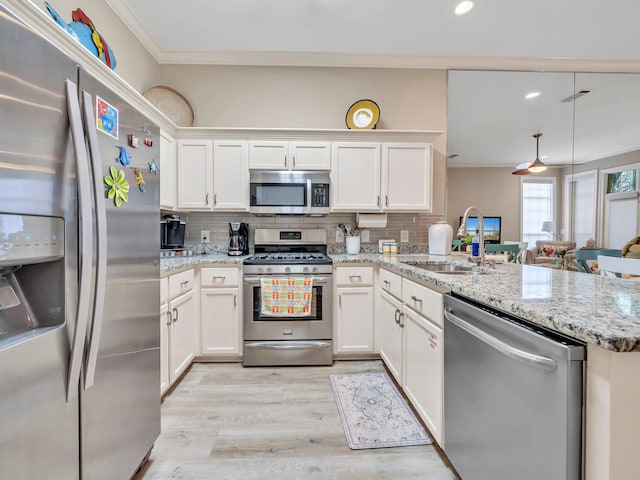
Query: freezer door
point(39, 434)
point(120, 401)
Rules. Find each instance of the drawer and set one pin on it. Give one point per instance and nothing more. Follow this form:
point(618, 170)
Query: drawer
point(180, 283)
point(391, 283)
point(354, 276)
point(164, 289)
point(219, 277)
point(423, 300)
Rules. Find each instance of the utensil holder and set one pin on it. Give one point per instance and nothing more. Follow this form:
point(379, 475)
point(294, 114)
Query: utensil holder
point(353, 245)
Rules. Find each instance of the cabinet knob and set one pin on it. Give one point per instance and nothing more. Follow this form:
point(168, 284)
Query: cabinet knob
point(175, 315)
point(416, 299)
point(170, 319)
point(386, 200)
point(400, 322)
point(206, 199)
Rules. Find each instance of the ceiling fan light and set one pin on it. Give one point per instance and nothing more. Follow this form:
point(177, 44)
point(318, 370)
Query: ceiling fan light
point(463, 7)
point(537, 166)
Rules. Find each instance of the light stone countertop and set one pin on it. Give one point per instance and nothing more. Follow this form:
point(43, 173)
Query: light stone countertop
point(592, 309)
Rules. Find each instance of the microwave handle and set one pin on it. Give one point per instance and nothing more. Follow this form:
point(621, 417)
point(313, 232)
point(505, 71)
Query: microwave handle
point(309, 198)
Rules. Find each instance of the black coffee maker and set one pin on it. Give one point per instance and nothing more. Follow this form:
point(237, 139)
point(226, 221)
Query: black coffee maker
point(172, 229)
point(238, 238)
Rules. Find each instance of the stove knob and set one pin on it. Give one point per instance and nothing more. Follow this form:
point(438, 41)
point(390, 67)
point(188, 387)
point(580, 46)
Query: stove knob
point(260, 269)
point(305, 270)
point(315, 269)
point(287, 269)
point(269, 269)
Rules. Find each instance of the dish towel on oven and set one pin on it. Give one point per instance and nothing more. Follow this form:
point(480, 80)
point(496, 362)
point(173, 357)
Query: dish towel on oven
point(286, 296)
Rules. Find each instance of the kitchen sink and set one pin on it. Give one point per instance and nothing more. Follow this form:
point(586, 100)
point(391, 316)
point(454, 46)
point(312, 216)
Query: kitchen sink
point(452, 268)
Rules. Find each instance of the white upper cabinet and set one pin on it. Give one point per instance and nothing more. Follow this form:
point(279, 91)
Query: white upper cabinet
point(230, 175)
point(283, 155)
point(168, 172)
point(195, 174)
point(355, 177)
point(407, 176)
point(310, 155)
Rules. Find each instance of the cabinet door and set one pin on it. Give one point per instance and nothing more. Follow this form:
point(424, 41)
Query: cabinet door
point(169, 169)
point(182, 339)
point(268, 155)
point(424, 370)
point(195, 175)
point(391, 334)
point(310, 156)
point(230, 176)
point(220, 321)
point(355, 177)
point(354, 320)
point(407, 176)
point(165, 324)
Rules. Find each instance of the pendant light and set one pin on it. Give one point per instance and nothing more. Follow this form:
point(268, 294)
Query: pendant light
point(535, 167)
point(463, 7)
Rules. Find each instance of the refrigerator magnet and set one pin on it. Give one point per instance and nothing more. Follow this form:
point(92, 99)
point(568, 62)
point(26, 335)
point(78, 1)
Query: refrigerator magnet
point(148, 142)
point(106, 118)
point(153, 166)
point(125, 157)
point(133, 141)
point(139, 179)
point(118, 186)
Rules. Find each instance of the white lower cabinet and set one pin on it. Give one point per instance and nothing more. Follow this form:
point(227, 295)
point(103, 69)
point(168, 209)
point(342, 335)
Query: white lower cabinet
point(182, 336)
point(353, 326)
point(220, 311)
point(391, 334)
point(220, 321)
point(424, 370)
point(412, 345)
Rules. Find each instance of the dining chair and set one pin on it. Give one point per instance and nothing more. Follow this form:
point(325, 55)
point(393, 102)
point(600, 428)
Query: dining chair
point(522, 252)
point(585, 255)
point(618, 266)
point(511, 249)
point(456, 245)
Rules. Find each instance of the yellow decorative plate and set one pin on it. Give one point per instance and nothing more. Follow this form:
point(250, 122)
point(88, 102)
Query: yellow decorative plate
point(363, 115)
point(172, 104)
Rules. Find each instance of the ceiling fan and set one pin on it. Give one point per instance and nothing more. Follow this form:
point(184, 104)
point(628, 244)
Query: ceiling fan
point(531, 167)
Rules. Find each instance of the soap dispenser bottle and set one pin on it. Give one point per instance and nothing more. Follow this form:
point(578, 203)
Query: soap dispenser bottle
point(475, 245)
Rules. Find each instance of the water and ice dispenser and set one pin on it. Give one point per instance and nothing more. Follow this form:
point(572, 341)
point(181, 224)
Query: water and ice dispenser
point(32, 276)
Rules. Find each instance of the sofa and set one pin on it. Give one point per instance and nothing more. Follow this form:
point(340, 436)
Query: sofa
point(548, 252)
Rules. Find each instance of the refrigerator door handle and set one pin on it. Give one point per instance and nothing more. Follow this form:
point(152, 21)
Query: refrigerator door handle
point(85, 240)
point(101, 233)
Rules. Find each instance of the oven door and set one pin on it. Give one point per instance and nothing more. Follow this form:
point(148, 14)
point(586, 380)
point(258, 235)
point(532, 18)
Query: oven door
point(316, 326)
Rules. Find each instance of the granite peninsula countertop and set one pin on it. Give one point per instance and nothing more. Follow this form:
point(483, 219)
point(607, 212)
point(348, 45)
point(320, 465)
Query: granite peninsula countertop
point(589, 308)
point(593, 309)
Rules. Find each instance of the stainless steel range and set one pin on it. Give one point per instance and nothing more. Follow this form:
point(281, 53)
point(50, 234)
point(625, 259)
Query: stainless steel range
point(288, 338)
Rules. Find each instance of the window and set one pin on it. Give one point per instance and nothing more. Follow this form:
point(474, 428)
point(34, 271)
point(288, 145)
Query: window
point(537, 207)
point(622, 181)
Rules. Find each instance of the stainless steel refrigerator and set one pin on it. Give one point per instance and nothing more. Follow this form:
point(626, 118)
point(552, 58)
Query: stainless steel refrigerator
point(79, 275)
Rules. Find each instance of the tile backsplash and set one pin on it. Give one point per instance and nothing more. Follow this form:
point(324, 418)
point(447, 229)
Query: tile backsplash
point(417, 224)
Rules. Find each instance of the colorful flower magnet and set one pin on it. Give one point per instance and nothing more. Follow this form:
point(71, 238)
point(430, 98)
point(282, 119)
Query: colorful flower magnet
point(118, 186)
point(125, 157)
point(153, 166)
point(139, 179)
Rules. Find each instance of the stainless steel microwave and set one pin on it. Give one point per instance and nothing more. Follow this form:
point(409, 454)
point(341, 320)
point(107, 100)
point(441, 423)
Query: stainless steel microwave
point(289, 192)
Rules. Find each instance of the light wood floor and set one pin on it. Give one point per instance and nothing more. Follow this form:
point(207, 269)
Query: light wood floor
point(224, 421)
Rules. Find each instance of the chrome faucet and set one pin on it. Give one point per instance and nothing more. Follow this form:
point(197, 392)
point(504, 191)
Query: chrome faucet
point(462, 232)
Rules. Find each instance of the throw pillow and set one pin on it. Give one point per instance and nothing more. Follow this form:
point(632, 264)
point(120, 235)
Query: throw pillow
point(552, 251)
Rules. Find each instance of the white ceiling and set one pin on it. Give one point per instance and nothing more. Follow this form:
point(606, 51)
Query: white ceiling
point(489, 121)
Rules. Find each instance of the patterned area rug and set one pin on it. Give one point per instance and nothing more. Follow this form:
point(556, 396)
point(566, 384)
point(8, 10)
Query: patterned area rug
point(373, 413)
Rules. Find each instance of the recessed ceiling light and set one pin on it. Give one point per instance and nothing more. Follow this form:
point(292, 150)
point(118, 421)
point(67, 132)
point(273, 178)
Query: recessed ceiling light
point(463, 7)
point(531, 95)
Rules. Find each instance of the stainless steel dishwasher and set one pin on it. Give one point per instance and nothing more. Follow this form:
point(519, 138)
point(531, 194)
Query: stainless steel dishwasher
point(513, 397)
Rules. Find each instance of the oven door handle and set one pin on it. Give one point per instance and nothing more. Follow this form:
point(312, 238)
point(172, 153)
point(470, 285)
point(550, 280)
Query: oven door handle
point(255, 279)
point(290, 345)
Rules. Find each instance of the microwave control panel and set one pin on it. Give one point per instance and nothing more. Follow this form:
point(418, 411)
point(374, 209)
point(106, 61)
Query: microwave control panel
point(320, 195)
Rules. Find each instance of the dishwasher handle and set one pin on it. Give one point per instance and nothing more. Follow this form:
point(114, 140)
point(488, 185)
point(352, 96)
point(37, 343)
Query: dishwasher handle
point(507, 350)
